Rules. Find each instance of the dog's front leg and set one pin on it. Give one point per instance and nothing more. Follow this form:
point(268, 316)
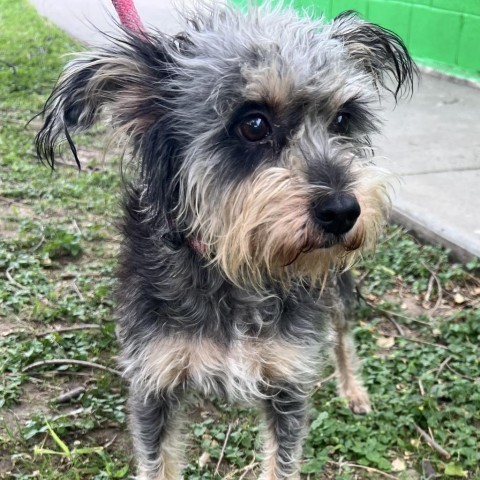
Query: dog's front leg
point(155, 421)
point(349, 382)
point(286, 415)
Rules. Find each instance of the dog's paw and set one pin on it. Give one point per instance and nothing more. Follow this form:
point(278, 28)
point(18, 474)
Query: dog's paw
point(358, 401)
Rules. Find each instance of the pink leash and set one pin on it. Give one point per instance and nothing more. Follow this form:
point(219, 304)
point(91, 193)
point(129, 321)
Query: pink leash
point(128, 15)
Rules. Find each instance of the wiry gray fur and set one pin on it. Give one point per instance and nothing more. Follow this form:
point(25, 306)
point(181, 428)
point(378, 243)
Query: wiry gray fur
point(207, 299)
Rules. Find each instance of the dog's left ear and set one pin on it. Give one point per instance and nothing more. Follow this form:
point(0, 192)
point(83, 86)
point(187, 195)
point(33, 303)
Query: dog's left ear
point(378, 51)
point(125, 78)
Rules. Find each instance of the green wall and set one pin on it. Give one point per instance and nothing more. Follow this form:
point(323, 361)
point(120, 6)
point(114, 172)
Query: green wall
point(442, 34)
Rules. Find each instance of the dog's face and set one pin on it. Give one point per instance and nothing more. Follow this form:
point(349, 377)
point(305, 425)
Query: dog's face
point(251, 132)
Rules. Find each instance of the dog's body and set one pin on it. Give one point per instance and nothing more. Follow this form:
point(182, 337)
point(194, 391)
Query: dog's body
point(254, 190)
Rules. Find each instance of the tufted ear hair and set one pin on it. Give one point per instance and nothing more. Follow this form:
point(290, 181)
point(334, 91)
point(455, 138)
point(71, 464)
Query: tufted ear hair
point(378, 51)
point(132, 79)
point(124, 78)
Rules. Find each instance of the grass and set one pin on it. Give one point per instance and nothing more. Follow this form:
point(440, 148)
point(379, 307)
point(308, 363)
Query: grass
point(418, 325)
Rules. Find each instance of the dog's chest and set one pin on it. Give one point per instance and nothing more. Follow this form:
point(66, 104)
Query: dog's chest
point(229, 343)
point(243, 370)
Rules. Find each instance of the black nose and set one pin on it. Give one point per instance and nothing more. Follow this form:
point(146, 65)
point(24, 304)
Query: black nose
point(337, 214)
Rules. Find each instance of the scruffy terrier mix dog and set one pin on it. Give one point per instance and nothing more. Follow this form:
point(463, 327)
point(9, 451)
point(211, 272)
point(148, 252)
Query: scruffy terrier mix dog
point(254, 192)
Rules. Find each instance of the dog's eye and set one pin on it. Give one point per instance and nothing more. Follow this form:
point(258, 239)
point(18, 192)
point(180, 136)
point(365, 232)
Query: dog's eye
point(342, 123)
point(255, 128)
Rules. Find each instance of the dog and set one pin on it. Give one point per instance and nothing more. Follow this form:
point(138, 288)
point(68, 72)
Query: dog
point(254, 193)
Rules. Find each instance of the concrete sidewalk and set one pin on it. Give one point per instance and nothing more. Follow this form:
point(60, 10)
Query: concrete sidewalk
point(83, 18)
point(432, 142)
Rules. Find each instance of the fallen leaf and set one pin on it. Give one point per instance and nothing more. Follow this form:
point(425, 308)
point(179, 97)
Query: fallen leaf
point(387, 270)
point(204, 459)
point(455, 470)
point(415, 442)
point(386, 342)
point(459, 298)
point(398, 465)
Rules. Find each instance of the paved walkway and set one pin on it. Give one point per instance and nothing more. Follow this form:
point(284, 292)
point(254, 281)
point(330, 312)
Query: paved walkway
point(432, 142)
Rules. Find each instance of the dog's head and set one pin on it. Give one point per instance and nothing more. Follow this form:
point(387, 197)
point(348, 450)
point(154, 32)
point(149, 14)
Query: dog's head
point(250, 131)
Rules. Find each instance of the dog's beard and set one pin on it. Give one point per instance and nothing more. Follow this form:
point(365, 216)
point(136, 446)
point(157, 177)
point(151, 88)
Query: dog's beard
point(262, 232)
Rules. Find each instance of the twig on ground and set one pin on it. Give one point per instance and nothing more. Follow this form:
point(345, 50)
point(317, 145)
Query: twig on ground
point(70, 395)
point(473, 379)
point(431, 442)
point(393, 314)
point(359, 282)
point(224, 446)
point(324, 380)
point(364, 467)
point(110, 442)
point(67, 361)
point(420, 386)
point(429, 290)
point(245, 470)
point(248, 469)
point(39, 244)
point(77, 291)
point(76, 227)
point(395, 233)
point(13, 281)
point(318, 385)
point(433, 278)
point(442, 366)
point(383, 312)
point(55, 373)
point(71, 328)
point(72, 413)
point(395, 324)
point(409, 319)
point(423, 342)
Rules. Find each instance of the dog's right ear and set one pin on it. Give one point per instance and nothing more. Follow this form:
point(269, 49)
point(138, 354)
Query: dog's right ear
point(124, 78)
point(379, 52)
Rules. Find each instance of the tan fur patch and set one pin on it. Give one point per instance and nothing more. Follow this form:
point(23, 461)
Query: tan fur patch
point(269, 464)
point(271, 467)
point(119, 83)
point(244, 368)
point(171, 456)
point(170, 468)
point(262, 226)
point(268, 84)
